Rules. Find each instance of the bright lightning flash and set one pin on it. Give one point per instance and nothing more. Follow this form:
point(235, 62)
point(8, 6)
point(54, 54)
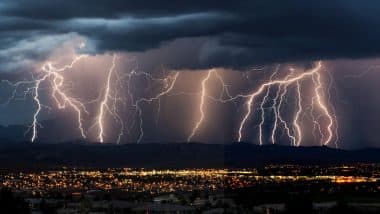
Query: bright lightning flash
point(59, 94)
point(296, 134)
point(314, 74)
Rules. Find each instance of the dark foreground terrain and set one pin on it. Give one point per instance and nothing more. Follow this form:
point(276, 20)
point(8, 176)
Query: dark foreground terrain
point(27, 155)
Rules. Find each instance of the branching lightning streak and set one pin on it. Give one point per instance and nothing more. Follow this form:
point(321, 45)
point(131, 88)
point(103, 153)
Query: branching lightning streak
point(333, 110)
point(165, 91)
point(263, 110)
point(109, 98)
point(277, 102)
point(104, 103)
point(57, 83)
point(324, 108)
point(252, 96)
point(299, 110)
point(39, 107)
point(276, 115)
point(225, 93)
point(283, 122)
point(201, 105)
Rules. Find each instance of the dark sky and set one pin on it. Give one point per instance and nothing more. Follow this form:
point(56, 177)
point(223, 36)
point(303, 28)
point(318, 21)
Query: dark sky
point(199, 35)
point(238, 33)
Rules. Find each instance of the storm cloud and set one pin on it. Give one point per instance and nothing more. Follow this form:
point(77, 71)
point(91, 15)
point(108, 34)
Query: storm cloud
point(229, 33)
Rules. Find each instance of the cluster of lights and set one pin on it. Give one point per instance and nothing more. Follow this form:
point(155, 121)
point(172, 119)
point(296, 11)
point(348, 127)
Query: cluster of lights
point(158, 181)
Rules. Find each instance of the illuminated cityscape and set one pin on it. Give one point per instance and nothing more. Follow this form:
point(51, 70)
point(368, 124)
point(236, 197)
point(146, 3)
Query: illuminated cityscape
point(192, 190)
point(166, 181)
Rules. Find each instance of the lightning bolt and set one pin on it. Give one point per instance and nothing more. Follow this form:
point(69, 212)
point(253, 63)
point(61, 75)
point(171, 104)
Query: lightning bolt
point(276, 108)
point(224, 93)
point(32, 89)
point(323, 107)
point(168, 86)
point(201, 105)
point(283, 122)
point(333, 109)
point(104, 103)
point(109, 100)
point(299, 110)
point(38, 110)
point(263, 110)
point(284, 83)
point(58, 94)
point(276, 115)
point(277, 101)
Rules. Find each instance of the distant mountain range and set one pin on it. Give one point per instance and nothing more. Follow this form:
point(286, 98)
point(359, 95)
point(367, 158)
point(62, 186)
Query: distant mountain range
point(184, 155)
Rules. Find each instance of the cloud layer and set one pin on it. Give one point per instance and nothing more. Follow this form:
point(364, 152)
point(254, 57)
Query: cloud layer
point(228, 33)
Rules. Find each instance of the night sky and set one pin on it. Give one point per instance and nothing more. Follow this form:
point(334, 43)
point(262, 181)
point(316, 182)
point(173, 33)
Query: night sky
point(147, 44)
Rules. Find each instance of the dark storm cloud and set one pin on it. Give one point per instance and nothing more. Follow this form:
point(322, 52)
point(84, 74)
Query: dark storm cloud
point(234, 33)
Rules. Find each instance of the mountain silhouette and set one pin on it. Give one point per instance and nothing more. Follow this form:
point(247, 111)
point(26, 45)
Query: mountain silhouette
point(173, 155)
